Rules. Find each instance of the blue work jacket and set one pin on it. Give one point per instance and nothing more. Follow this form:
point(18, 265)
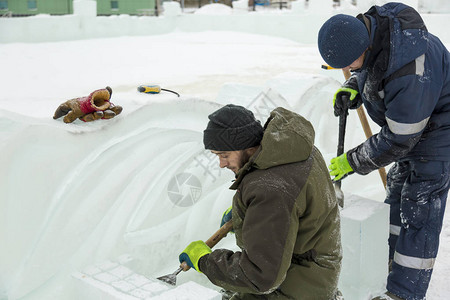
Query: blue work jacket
point(405, 87)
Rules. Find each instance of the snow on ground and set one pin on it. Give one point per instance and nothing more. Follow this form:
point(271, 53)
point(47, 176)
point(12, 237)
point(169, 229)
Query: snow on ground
point(73, 195)
point(215, 9)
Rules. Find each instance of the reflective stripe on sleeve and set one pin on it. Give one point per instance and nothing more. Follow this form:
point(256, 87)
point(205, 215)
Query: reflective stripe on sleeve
point(405, 128)
point(414, 262)
point(394, 229)
point(420, 65)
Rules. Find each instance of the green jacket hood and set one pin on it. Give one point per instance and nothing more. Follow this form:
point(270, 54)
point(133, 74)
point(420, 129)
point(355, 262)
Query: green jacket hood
point(288, 138)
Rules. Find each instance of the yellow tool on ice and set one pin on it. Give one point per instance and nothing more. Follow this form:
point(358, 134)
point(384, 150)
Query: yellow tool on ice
point(153, 89)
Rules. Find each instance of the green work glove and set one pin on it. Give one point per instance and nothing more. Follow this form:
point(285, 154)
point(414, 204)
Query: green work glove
point(347, 96)
point(340, 167)
point(192, 254)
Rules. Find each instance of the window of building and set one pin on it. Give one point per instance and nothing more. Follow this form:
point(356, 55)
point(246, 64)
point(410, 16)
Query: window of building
point(114, 4)
point(3, 4)
point(32, 4)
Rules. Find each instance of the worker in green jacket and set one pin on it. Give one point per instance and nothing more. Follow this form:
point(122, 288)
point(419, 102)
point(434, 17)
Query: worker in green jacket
point(285, 215)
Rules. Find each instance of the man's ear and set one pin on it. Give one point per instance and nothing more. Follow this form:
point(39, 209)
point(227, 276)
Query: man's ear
point(250, 151)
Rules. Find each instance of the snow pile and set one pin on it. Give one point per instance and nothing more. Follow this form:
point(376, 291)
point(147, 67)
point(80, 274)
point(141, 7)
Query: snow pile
point(240, 6)
point(140, 183)
point(171, 8)
point(214, 9)
point(85, 8)
point(74, 195)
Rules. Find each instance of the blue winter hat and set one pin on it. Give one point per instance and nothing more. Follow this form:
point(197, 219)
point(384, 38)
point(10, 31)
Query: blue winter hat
point(342, 40)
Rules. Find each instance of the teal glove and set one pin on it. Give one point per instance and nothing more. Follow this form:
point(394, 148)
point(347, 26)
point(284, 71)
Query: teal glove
point(192, 254)
point(347, 96)
point(227, 215)
point(340, 167)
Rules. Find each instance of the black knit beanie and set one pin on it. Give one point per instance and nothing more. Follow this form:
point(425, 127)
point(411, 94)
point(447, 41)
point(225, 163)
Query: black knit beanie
point(232, 128)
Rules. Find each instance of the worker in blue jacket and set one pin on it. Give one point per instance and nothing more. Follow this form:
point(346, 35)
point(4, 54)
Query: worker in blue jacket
point(401, 73)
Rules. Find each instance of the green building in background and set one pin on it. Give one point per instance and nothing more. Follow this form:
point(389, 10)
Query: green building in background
point(63, 7)
point(129, 7)
point(33, 7)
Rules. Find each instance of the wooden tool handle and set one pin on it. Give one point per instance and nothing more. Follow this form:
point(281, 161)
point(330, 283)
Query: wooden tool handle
point(213, 240)
point(219, 234)
point(366, 128)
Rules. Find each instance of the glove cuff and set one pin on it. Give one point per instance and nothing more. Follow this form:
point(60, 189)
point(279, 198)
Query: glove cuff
point(227, 215)
point(351, 83)
point(346, 165)
point(353, 93)
point(192, 254)
point(97, 100)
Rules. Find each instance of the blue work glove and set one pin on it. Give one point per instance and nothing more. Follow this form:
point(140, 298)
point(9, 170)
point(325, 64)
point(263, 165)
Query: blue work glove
point(347, 97)
point(192, 254)
point(340, 167)
point(226, 216)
